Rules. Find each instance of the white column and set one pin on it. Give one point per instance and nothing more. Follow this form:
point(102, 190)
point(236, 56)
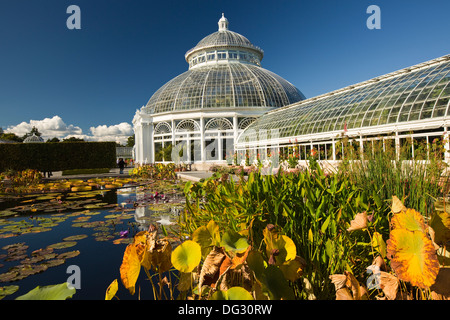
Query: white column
point(138, 143)
point(219, 137)
point(202, 139)
point(235, 129)
point(147, 143)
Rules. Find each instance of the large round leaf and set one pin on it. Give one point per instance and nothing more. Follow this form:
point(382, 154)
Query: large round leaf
point(279, 248)
point(413, 257)
point(207, 236)
point(53, 292)
point(234, 293)
point(409, 219)
point(440, 222)
point(186, 256)
point(233, 241)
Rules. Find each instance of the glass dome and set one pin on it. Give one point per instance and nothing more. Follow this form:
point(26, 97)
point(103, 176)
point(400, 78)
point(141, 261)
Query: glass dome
point(33, 139)
point(224, 86)
point(224, 38)
point(224, 72)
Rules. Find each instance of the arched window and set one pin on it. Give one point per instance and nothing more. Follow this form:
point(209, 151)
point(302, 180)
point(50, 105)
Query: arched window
point(244, 123)
point(219, 124)
point(163, 128)
point(187, 125)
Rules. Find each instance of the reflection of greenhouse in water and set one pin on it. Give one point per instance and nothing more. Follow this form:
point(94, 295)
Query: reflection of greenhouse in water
point(406, 109)
point(166, 216)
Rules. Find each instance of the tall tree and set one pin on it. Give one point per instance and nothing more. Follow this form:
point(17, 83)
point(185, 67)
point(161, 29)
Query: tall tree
point(130, 141)
point(34, 131)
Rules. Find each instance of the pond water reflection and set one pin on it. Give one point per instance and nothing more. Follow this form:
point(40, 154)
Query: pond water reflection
point(37, 247)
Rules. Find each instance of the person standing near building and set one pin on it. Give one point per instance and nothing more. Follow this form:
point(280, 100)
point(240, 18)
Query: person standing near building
point(121, 165)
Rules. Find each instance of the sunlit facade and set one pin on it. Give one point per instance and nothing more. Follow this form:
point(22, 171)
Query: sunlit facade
point(411, 104)
point(197, 116)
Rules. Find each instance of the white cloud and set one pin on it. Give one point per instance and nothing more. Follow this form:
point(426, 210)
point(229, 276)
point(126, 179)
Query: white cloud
point(56, 127)
point(49, 127)
point(119, 132)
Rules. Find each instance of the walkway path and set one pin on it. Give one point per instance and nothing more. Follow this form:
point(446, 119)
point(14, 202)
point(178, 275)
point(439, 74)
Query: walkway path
point(187, 175)
point(194, 175)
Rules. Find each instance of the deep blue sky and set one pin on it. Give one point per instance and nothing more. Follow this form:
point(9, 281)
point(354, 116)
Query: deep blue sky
point(127, 49)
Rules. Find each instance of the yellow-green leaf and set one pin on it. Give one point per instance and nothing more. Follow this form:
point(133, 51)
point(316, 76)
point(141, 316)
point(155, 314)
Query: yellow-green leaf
point(186, 256)
point(378, 244)
point(207, 237)
point(233, 241)
point(310, 236)
point(293, 269)
point(413, 257)
point(112, 290)
point(280, 248)
point(440, 222)
point(52, 292)
point(234, 293)
point(409, 219)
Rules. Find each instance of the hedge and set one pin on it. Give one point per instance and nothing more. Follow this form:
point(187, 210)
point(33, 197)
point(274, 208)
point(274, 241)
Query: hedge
point(57, 156)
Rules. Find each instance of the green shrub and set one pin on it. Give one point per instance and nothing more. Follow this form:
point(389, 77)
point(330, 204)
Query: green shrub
point(57, 156)
point(84, 171)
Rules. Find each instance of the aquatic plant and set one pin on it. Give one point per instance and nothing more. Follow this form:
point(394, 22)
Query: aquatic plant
point(215, 264)
point(158, 171)
point(406, 266)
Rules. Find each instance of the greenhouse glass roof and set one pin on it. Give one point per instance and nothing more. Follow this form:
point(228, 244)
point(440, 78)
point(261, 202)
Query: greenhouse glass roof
point(222, 86)
point(414, 94)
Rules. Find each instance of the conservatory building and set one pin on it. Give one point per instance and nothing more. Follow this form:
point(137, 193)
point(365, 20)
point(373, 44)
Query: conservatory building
point(197, 116)
point(408, 109)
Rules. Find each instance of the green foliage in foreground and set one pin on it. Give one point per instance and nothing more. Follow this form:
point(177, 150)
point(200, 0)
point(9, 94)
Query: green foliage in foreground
point(311, 207)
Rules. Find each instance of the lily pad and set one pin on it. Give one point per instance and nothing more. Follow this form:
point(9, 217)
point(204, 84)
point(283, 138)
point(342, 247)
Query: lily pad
point(76, 237)
point(42, 252)
point(104, 238)
point(70, 254)
point(26, 270)
point(62, 245)
point(14, 246)
point(54, 262)
point(47, 197)
point(7, 290)
point(92, 213)
point(40, 229)
point(92, 206)
point(112, 216)
point(7, 213)
point(32, 260)
point(8, 276)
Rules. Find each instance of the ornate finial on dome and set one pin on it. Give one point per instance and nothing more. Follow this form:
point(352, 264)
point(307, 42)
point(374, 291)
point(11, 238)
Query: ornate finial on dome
point(223, 23)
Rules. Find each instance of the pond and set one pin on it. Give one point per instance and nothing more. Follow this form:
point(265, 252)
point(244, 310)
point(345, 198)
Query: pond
point(40, 237)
